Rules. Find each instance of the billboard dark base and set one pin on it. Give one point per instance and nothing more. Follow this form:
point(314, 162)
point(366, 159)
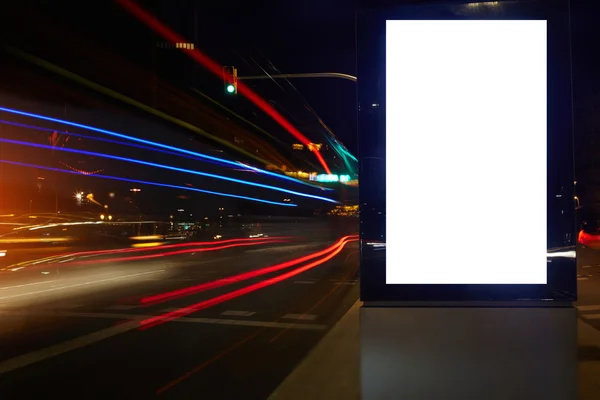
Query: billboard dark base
point(517, 353)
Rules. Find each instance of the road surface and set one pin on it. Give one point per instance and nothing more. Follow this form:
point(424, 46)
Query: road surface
point(85, 329)
point(184, 326)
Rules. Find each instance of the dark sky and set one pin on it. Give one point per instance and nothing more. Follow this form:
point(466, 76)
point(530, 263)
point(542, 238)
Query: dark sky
point(308, 36)
point(291, 36)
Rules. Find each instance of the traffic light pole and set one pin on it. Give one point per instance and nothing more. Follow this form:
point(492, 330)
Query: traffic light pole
point(306, 75)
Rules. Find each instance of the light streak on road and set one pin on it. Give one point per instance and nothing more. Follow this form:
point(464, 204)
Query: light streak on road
point(167, 167)
point(144, 141)
point(158, 184)
point(160, 319)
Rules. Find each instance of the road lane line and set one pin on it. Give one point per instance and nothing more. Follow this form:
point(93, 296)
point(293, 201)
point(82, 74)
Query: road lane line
point(69, 306)
point(261, 324)
point(216, 321)
point(26, 284)
point(61, 348)
point(305, 317)
point(80, 284)
point(238, 313)
point(120, 307)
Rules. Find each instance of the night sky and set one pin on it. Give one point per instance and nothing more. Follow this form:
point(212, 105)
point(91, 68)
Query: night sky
point(292, 37)
point(307, 36)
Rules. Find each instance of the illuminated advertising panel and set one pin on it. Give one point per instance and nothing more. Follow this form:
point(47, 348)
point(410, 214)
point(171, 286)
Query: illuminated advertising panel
point(467, 184)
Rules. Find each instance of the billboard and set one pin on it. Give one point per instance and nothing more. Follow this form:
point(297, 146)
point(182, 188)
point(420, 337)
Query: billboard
point(466, 152)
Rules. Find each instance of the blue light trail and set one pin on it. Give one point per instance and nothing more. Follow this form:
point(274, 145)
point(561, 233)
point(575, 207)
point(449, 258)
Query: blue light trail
point(148, 142)
point(116, 178)
point(136, 146)
point(168, 167)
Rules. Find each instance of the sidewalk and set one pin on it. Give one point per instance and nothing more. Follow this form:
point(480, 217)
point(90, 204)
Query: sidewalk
point(331, 371)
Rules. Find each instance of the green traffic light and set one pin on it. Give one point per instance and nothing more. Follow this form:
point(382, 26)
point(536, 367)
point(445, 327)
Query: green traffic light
point(230, 88)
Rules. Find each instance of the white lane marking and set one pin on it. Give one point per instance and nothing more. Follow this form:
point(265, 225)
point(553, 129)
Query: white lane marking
point(582, 279)
point(283, 248)
point(238, 313)
point(304, 317)
point(279, 325)
point(120, 307)
point(304, 282)
point(64, 347)
point(69, 306)
point(53, 289)
point(217, 321)
point(588, 308)
point(591, 316)
point(26, 284)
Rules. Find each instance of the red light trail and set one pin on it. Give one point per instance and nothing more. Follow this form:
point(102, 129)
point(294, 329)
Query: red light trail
point(172, 253)
point(215, 68)
point(162, 297)
point(160, 319)
point(338, 247)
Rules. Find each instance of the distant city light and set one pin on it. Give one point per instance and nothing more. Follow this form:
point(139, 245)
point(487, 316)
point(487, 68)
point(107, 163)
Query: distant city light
point(330, 178)
point(486, 3)
point(135, 190)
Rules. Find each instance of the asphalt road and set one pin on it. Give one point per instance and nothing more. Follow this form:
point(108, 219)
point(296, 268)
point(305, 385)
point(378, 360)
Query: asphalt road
point(88, 327)
point(85, 329)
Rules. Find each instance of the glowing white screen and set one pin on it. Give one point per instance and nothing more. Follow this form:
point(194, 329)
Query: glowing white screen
point(466, 152)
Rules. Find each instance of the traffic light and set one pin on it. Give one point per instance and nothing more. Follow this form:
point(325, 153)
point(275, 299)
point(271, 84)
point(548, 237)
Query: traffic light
point(230, 79)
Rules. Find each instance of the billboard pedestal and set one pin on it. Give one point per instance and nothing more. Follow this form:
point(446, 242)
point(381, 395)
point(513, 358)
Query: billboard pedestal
point(508, 351)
